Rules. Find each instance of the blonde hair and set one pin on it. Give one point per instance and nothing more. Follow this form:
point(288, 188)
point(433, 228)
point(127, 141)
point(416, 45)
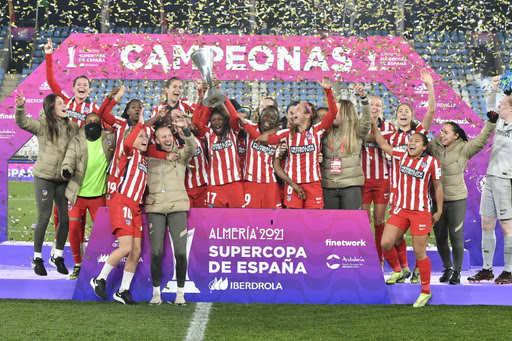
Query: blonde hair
point(348, 125)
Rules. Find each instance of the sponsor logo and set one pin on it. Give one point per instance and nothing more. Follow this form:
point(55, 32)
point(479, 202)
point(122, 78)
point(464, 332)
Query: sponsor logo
point(330, 242)
point(224, 284)
point(221, 145)
point(4, 116)
point(302, 149)
point(480, 182)
point(142, 167)
point(198, 152)
point(415, 173)
point(332, 262)
point(44, 86)
point(102, 258)
point(218, 284)
point(261, 148)
point(76, 115)
point(421, 90)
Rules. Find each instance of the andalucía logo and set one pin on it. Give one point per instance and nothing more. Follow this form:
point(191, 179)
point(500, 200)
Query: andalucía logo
point(332, 262)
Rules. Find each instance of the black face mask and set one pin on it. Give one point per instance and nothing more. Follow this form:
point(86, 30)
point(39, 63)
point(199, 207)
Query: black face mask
point(92, 131)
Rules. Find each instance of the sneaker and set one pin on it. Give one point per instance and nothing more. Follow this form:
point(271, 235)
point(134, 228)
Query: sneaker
point(124, 297)
point(395, 276)
point(58, 262)
point(415, 275)
point(99, 286)
point(76, 272)
point(447, 274)
point(422, 300)
point(406, 273)
point(38, 266)
point(156, 300)
point(455, 277)
point(180, 299)
point(504, 278)
point(482, 275)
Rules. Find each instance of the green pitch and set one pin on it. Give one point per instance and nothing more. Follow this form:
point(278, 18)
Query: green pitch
point(65, 320)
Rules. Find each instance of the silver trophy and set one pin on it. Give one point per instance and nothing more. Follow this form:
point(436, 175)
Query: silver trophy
point(203, 60)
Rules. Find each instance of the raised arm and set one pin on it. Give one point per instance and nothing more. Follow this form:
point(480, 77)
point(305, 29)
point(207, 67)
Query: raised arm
point(491, 99)
point(478, 143)
point(29, 124)
point(50, 75)
point(380, 140)
point(328, 120)
point(365, 123)
point(234, 119)
point(426, 77)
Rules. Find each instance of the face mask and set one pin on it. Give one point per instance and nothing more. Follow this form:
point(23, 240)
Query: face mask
point(92, 131)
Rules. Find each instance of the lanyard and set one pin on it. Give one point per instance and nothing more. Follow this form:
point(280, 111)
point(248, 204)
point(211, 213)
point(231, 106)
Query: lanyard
point(342, 146)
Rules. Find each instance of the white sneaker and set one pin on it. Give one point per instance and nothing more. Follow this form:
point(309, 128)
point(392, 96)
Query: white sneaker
point(156, 300)
point(180, 299)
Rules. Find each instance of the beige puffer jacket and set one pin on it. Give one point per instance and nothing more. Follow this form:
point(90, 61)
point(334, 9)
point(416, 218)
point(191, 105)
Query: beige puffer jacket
point(351, 170)
point(166, 181)
point(50, 155)
point(453, 161)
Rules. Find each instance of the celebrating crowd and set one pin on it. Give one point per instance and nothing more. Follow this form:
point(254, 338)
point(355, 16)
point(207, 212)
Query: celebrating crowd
point(189, 155)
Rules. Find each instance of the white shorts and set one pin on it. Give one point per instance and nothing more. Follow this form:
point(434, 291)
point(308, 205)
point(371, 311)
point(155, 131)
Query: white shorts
point(496, 201)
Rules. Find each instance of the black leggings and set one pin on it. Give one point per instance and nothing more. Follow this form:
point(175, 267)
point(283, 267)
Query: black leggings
point(46, 192)
point(177, 223)
point(451, 224)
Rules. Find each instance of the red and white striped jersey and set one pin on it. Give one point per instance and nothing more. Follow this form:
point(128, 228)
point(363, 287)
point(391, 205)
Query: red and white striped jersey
point(76, 111)
point(399, 140)
point(183, 104)
point(414, 180)
point(224, 165)
point(133, 167)
point(303, 147)
point(120, 124)
point(258, 160)
point(373, 159)
point(197, 169)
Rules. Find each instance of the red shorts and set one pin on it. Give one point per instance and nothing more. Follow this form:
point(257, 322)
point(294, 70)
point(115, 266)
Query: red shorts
point(228, 195)
point(111, 186)
point(376, 191)
point(79, 209)
point(314, 196)
point(125, 216)
point(420, 222)
point(197, 196)
point(262, 195)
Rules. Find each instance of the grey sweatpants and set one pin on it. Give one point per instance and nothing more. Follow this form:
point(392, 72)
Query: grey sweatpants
point(177, 223)
point(451, 224)
point(348, 198)
point(46, 192)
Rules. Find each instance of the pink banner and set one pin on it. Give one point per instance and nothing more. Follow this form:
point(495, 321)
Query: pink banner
point(251, 255)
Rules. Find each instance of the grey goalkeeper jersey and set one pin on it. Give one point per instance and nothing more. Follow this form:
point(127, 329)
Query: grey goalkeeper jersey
point(500, 162)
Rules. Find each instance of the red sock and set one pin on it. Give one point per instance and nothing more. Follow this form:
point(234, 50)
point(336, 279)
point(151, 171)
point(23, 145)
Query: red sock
point(392, 259)
point(379, 229)
point(425, 271)
point(55, 218)
point(75, 238)
point(401, 249)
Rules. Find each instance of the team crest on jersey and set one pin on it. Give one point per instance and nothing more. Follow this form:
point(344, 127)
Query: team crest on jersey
point(289, 197)
point(128, 222)
point(309, 136)
point(87, 110)
point(70, 206)
point(423, 164)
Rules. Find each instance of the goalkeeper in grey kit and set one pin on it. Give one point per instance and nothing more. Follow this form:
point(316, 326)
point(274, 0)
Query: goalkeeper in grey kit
point(496, 202)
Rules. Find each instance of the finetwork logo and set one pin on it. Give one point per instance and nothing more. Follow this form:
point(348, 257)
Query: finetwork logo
point(332, 262)
point(218, 284)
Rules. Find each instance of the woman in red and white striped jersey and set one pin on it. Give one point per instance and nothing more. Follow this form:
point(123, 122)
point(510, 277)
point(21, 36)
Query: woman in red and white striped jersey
point(304, 140)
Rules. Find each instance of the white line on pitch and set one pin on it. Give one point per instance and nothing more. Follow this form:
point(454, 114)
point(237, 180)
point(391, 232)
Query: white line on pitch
point(199, 321)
